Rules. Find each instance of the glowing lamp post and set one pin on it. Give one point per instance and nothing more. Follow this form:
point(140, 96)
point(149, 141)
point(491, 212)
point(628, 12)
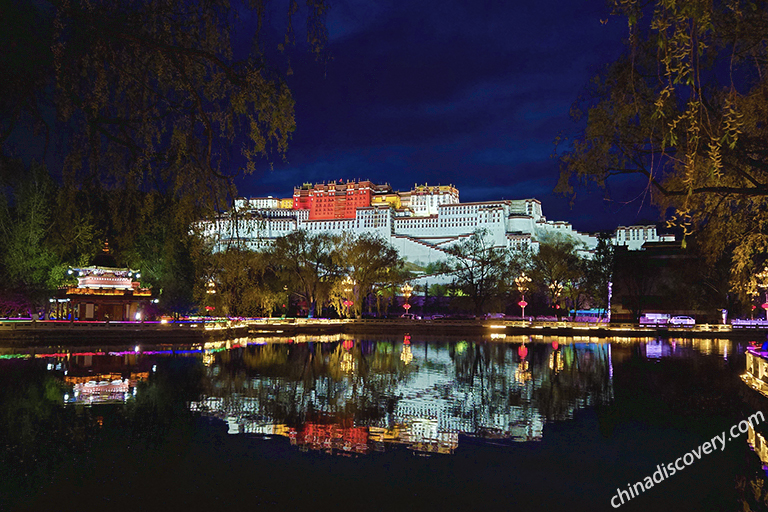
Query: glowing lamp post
point(556, 289)
point(349, 286)
point(522, 281)
point(407, 289)
point(762, 282)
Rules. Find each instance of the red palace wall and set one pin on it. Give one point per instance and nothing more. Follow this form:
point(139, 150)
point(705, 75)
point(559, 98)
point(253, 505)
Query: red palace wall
point(333, 200)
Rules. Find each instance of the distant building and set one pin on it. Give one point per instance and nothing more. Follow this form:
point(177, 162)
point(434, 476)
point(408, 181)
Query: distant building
point(420, 223)
point(633, 237)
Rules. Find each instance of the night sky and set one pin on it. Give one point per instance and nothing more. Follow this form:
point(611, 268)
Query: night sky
point(465, 93)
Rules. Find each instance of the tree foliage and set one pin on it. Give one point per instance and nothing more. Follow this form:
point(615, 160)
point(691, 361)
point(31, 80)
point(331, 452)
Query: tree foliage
point(32, 244)
point(684, 109)
point(149, 94)
point(371, 263)
point(243, 283)
point(558, 269)
point(481, 269)
point(310, 265)
point(144, 112)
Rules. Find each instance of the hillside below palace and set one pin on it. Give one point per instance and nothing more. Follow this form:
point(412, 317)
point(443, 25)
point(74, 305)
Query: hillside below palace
point(420, 223)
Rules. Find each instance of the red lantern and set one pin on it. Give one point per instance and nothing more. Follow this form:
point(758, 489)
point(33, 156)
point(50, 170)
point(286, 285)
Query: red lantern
point(407, 339)
point(522, 351)
point(348, 344)
point(555, 345)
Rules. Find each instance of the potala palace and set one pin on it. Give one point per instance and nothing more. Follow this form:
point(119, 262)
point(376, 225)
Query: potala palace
point(420, 223)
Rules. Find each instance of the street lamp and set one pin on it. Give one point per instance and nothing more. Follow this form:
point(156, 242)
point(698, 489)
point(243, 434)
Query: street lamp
point(522, 281)
point(348, 285)
point(556, 289)
point(407, 289)
point(762, 282)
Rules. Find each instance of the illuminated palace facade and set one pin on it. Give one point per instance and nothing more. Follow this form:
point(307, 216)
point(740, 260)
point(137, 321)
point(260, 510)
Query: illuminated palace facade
point(420, 223)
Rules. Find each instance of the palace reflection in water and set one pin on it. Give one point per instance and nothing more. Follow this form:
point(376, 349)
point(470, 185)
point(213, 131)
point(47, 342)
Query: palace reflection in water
point(357, 396)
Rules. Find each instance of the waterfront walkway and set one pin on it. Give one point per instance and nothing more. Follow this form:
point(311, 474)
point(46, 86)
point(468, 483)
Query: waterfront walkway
point(443, 326)
point(23, 332)
point(15, 332)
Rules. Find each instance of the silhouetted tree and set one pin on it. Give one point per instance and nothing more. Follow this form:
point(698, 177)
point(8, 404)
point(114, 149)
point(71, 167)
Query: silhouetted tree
point(684, 110)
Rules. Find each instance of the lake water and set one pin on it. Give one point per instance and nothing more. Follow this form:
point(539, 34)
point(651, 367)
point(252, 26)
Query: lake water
point(377, 423)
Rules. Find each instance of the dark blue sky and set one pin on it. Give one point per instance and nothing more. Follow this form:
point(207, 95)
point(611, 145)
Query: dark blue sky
point(468, 93)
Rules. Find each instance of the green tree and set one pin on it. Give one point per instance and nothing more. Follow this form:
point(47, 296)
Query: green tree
point(245, 283)
point(309, 264)
point(480, 269)
point(30, 268)
point(140, 103)
point(370, 262)
point(150, 94)
point(684, 110)
point(557, 268)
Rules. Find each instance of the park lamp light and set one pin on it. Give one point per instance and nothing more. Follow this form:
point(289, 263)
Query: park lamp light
point(348, 285)
point(557, 289)
point(407, 289)
point(762, 282)
point(522, 281)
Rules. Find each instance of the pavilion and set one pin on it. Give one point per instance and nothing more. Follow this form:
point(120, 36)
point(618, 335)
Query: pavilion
point(104, 291)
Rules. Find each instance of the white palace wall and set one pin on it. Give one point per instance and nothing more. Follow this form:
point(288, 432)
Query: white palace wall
point(419, 239)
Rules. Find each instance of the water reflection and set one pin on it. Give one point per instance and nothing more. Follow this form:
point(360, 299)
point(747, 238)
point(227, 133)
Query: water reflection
point(359, 396)
point(598, 413)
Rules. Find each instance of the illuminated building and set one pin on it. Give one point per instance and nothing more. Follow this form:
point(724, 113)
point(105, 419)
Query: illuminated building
point(635, 236)
point(425, 200)
point(104, 291)
point(335, 200)
point(420, 223)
